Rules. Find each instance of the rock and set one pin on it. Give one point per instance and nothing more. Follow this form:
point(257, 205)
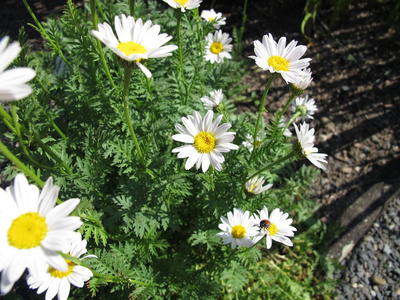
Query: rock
point(378, 280)
point(387, 250)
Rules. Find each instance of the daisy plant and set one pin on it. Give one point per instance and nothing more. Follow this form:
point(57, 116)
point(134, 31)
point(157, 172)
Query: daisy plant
point(214, 100)
point(32, 230)
point(136, 42)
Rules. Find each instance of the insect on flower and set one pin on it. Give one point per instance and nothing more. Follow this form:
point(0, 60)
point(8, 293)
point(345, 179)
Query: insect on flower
point(265, 224)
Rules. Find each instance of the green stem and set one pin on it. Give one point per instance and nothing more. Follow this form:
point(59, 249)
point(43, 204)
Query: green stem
point(46, 36)
point(100, 49)
point(100, 10)
point(261, 109)
point(244, 18)
point(291, 120)
point(132, 7)
point(180, 52)
point(127, 77)
point(286, 106)
point(7, 153)
point(270, 165)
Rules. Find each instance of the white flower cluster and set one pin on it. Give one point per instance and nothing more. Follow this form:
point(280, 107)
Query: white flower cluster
point(242, 229)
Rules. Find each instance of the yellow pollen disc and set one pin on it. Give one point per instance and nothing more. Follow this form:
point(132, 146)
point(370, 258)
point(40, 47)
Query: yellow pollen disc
point(258, 143)
point(216, 48)
point(205, 142)
point(238, 231)
point(182, 2)
point(278, 63)
point(272, 229)
point(58, 274)
point(27, 231)
point(130, 48)
point(306, 152)
point(210, 19)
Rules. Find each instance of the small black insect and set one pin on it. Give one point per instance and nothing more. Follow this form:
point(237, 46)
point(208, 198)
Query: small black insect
point(265, 224)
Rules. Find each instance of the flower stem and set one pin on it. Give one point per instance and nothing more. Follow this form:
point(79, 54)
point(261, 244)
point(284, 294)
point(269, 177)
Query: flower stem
point(270, 165)
point(261, 109)
point(132, 7)
point(7, 153)
point(46, 36)
point(100, 49)
point(244, 18)
point(180, 52)
point(291, 120)
point(286, 106)
point(127, 77)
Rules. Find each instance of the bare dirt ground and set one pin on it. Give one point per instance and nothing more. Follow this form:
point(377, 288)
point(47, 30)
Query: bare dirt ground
point(356, 70)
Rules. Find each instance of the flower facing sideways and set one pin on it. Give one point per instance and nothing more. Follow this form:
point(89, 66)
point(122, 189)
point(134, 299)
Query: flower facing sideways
point(59, 283)
point(183, 4)
point(212, 16)
point(279, 58)
point(136, 41)
point(303, 80)
point(274, 227)
point(305, 146)
point(206, 141)
point(214, 100)
point(238, 229)
point(306, 107)
point(254, 185)
point(13, 81)
point(32, 230)
point(249, 142)
point(218, 47)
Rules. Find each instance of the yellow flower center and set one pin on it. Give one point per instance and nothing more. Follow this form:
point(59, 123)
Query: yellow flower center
point(27, 231)
point(216, 48)
point(205, 142)
point(58, 274)
point(258, 143)
point(238, 231)
point(182, 2)
point(210, 19)
point(272, 229)
point(130, 48)
point(278, 63)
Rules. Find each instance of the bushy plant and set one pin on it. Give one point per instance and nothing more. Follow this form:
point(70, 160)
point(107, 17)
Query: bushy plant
point(105, 122)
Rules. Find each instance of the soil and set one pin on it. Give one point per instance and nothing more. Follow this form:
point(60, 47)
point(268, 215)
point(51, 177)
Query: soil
point(356, 70)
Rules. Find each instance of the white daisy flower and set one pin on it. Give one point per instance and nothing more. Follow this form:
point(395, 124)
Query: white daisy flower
point(254, 185)
point(305, 106)
point(212, 16)
point(279, 58)
point(183, 4)
point(238, 229)
point(249, 142)
point(136, 41)
point(305, 146)
point(303, 80)
point(274, 227)
point(13, 81)
point(32, 230)
point(282, 124)
point(218, 47)
point(58, 282)
point(206, 141)
point(214, 100)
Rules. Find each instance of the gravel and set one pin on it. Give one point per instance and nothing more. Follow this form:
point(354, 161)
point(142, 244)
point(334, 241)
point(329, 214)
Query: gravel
point(372, 270)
